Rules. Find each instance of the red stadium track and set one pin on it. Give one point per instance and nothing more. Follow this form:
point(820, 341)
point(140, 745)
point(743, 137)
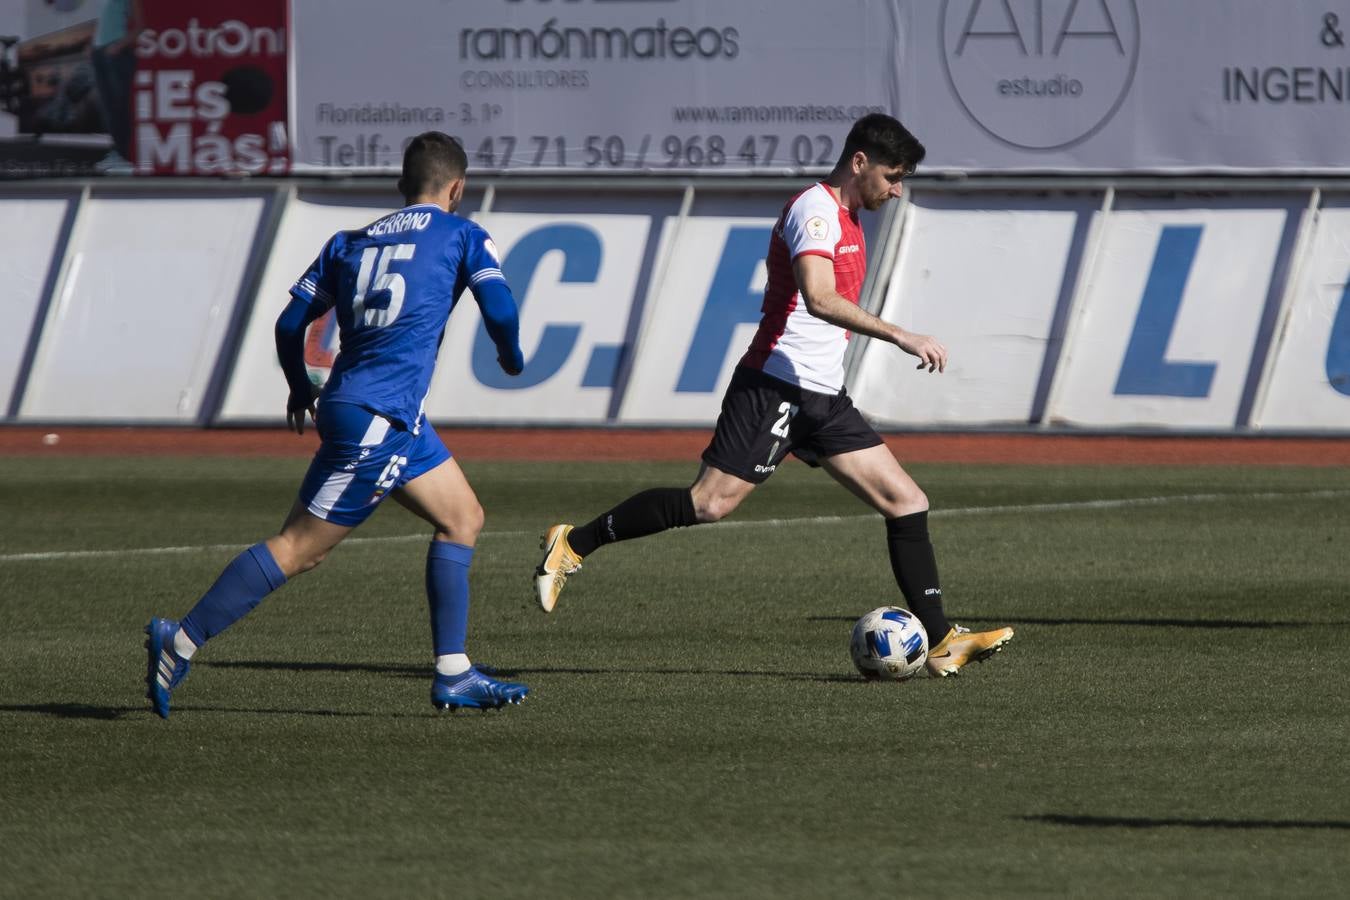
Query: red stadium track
point(686, 444)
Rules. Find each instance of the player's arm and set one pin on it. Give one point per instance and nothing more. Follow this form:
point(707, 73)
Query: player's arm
point(501, 317)
point(311, 296)
point(815, 281)
point(290, 337)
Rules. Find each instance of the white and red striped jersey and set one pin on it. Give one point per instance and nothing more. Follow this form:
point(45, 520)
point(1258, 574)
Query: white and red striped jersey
point(791, 344)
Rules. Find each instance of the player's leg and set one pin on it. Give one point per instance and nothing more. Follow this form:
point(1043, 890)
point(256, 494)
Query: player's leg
point(441, 495)
point(302, 543)
point(714, 495)
point(333, 500)
point(749, 441)
point(443, 498)
point(339, 491)
point(875, 476)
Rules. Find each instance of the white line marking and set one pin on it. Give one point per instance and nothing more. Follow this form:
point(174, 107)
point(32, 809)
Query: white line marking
point(209, 548)
point(1067, 506)
point(1061, 507)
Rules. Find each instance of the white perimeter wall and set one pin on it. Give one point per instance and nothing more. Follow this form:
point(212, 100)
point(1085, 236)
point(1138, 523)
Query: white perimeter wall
point(1091, 308)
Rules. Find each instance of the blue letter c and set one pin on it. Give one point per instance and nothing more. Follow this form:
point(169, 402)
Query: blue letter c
point(582, 252)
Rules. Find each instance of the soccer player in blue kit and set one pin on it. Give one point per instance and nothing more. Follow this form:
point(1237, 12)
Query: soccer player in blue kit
point(393, 285)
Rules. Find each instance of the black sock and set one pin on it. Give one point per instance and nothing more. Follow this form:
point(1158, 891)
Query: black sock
point(640, 515)
point(915, 569)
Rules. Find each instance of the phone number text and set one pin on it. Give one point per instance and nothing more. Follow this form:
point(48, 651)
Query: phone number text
point(613, 151)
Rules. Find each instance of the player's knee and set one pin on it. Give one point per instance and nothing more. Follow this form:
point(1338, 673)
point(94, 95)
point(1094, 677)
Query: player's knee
point(465, 525)
point(713, 508)
point(293, 559)
point(312, 561)
point(477, 518)
point(901, 501)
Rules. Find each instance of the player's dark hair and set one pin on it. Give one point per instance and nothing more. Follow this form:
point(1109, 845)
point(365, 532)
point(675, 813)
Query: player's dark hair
point(884, 140)
point(431, 160)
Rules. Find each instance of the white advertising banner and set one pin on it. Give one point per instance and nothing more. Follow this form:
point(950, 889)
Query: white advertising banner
point(136, 330)
point(1309, 386)
point(1165, 331)
point(575, 278)
point(1128, 84)
point(590, 85)
point(699, 320)
point(765, 85)
point(985, 277)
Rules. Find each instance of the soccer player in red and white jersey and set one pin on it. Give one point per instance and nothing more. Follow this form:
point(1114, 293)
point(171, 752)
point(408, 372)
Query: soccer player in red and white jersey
point(787, 396)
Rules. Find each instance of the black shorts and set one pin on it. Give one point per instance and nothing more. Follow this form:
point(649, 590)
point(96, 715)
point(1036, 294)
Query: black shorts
point(765, 418)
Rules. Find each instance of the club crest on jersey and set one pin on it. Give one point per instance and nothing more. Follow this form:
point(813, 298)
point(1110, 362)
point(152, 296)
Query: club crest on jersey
point(816, 228)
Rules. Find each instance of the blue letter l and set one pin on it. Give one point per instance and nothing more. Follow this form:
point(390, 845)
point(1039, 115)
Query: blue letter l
point(1144, 370)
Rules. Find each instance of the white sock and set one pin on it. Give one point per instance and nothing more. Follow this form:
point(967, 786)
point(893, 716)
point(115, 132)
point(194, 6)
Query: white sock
point(452, 664)
point(182, 644)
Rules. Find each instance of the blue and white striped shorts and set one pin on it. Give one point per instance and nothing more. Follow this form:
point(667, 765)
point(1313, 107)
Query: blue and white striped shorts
point(362, 459)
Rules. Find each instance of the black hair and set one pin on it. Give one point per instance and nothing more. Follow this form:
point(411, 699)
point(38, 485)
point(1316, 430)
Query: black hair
point(431, 160)
point(884, 140)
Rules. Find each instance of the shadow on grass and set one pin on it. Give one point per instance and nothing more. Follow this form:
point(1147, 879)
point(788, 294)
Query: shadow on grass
point(1146, 623)
point(823, 678)
point(395, 669)
point(113, 713)
point(424, 671)
point(317, 713)
point(74, 710)
point(1221, 824)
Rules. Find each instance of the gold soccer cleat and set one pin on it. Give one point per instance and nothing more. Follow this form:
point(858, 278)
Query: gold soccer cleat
point(560, 560)
point(961, 645)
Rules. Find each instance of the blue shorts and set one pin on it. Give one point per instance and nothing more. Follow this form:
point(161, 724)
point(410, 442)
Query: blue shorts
point(362, 459)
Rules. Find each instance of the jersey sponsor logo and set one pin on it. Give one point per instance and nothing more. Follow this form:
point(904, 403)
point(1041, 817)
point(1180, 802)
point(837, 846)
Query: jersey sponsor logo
point(817, 228)
point(764, 469)
point(847, 248)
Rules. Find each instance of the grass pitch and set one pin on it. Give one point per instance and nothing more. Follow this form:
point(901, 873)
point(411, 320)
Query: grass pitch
point(1171, 718)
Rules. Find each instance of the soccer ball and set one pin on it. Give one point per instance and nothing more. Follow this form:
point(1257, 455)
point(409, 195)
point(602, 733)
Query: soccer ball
point(889, 643)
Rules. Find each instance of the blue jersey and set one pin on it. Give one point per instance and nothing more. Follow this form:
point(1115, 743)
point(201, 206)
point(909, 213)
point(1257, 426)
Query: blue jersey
point(393, 285)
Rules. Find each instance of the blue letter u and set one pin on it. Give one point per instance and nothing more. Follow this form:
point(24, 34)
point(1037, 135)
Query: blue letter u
point(1338, 346)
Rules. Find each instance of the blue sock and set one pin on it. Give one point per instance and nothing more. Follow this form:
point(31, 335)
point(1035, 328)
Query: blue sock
point(448, 595)
point(250, 577)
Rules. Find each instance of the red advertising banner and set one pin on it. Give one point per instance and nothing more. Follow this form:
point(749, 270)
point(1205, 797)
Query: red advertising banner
point(209, 93)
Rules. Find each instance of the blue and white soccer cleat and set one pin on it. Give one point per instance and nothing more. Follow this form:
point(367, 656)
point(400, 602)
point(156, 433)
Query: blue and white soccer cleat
point(474, 690)
point(165, 669)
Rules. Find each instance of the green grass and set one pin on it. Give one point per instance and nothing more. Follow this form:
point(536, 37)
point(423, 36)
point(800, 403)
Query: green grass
point(1170, 720)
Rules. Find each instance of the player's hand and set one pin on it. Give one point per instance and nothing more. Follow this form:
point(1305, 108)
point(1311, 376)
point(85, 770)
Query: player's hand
point(932, 355)
point(512, 364)
point(296, 407)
